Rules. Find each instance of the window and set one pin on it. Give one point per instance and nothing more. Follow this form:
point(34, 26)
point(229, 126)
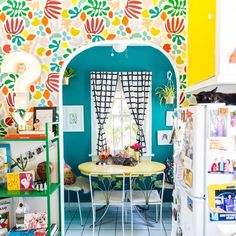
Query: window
point(120, 127)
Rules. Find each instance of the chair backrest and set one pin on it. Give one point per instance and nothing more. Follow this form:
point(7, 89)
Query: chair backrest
point(107, 183)
point(147, 183)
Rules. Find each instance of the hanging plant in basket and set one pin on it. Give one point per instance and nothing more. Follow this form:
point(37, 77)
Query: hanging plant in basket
point(68, 74)
point(167, 92)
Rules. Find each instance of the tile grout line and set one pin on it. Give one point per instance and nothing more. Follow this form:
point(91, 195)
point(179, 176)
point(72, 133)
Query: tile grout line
point(71, 221)
point(89, 212)
point(116, 220)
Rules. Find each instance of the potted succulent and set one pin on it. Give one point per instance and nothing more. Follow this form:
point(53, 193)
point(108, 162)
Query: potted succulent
point(167, 93)
point(69, 73)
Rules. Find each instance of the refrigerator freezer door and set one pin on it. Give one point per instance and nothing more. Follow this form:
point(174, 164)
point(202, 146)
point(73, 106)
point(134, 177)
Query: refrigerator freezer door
point(190, 213)
point(189, 162)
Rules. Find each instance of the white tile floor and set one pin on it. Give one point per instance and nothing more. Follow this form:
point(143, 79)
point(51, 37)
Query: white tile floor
point(111, 223)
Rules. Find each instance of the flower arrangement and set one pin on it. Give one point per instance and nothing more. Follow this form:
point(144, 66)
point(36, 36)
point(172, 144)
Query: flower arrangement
point(136, 147)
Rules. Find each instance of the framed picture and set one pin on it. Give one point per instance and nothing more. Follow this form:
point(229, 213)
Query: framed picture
point(5, 162)
point(73, 118)
point(164, 137)
point(43, 115)
point(169, 118)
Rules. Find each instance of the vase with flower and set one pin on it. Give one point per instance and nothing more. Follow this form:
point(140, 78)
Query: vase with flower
point(137, 150)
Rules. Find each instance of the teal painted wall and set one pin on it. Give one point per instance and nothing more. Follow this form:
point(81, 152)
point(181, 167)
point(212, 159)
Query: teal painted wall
point(77, 146)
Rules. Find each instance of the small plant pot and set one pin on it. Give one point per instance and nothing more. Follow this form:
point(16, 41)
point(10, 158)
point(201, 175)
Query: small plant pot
point(66, 80)
point(170, 100)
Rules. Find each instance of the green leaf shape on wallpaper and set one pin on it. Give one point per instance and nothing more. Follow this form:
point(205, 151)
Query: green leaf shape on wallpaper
point(96, 8)
point(176, 7)
point(15, 8)
point(55, 67)
point(68, 52)
point(18, 40)
point(74, 13)
point(154, 12)
point(3, 131)
point(3, 124)
point(10, 80)
point(136, 35)
point(1, 59)
point(97, 38)
point(177, 38)
point(183, 81)
point(54, 45)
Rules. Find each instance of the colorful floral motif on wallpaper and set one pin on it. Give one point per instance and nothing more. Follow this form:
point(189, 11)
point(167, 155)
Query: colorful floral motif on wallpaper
point(53, 29)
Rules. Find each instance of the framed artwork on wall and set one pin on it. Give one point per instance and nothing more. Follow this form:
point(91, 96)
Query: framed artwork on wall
point(43, 115)
point(169, 118)
point(73, 118)
point(164, 137)
point(5, 162)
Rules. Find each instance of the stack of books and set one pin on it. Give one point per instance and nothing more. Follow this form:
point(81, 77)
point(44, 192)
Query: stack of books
point(29, 135)
point(34, 232)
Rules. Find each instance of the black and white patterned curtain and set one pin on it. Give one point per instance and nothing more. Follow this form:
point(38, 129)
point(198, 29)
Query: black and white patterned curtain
point(104, 87)
point(136, 87)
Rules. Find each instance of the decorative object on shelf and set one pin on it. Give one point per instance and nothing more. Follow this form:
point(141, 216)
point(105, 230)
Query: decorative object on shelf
point(21, 163)
point(73, 118)
point(36, 220)
point(20, 180)
point(20, 214)
point(5, 162)
point(21, 119)
point(137, 150)
point(42, 170)
point(68, 74)
point(216, 97)
point(43, 115)
point(29, 68)
point(5, 211)
point(40, 185)
point(167, 92)
point(164, 137)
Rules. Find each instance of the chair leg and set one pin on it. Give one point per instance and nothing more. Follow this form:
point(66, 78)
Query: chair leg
point(126, 215)
point(161, 223)
point(80, 213)
point(123, 226)
point(157, 206)
point(68, 194)
point(132, 221)
point(94, 218)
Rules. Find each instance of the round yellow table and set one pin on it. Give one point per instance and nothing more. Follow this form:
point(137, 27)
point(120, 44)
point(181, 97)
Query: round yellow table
point(144, 167)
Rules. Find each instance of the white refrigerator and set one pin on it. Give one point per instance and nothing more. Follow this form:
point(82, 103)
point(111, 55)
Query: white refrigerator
point(204, 198)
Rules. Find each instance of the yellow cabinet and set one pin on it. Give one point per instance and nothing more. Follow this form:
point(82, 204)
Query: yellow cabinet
point(201, 40)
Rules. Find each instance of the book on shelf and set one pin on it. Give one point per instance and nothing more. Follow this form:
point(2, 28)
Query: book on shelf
point(34, 232)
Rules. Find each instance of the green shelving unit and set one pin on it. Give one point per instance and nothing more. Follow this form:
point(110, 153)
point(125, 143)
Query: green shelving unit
point(51, 187)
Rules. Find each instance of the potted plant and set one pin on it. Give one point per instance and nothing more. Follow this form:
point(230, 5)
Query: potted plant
point(167, 93)
point(69, 73)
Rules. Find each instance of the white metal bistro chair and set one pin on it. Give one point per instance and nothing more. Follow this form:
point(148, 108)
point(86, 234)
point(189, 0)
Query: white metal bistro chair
point(145, 191)
point(81, 185)
point(107, 190)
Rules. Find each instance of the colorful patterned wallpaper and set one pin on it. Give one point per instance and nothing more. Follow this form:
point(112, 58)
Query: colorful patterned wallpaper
point(53, 29)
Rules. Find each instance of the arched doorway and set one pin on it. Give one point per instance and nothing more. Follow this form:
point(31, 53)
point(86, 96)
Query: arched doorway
point(108, 44)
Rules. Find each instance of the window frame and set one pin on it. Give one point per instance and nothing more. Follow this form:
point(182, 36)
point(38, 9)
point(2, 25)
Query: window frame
point(147, 127)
